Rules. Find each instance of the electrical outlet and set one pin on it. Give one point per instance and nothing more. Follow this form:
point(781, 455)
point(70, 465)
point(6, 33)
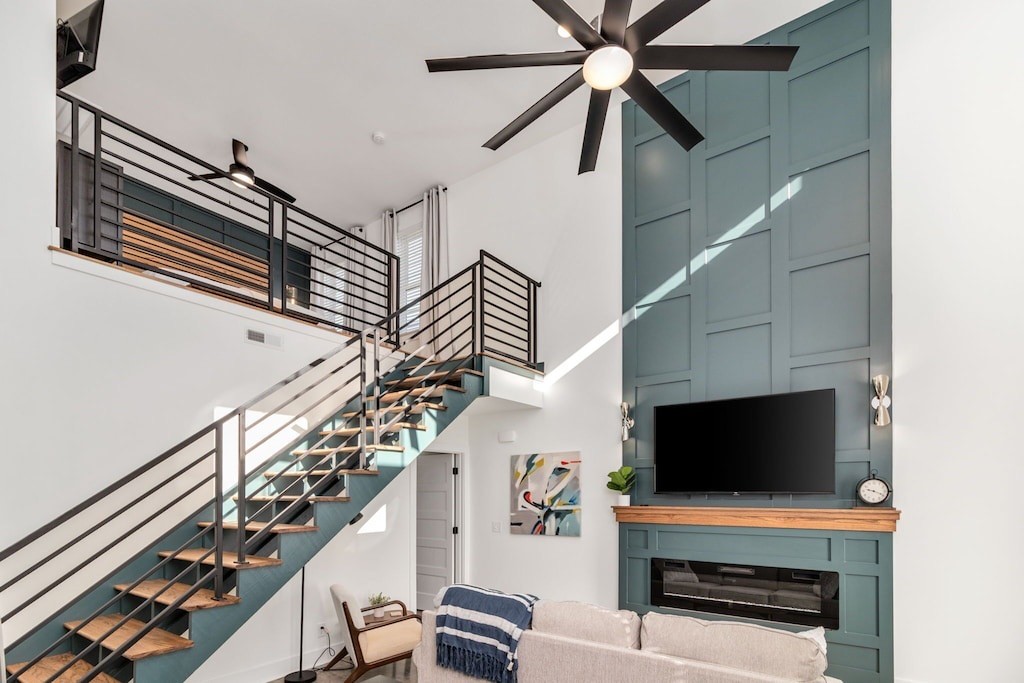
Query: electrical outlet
point(496, 527)
point(323, 630)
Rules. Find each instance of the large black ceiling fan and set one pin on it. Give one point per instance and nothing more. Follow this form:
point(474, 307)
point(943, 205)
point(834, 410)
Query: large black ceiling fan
point(613, 55)
point(242, 174)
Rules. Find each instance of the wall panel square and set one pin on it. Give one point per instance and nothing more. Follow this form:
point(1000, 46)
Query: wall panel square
point(738, 188)
point(662, 257)
point(828, 108)
point(663, 337)
point(737, 103)
point(829, 307)
point(831, 32)
point(739, 277)
point(827, 208)
point(739, 362)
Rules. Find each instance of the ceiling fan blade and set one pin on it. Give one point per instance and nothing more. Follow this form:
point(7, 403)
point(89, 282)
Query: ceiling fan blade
point(664, 16)
point(206, 176)
point(614, 20)
point(566, 17)
point(507, 61)
point(274, 190)
point(664, 113)
point(596, 115)
point(238, 150)
point(561, 91)
point(716, 57)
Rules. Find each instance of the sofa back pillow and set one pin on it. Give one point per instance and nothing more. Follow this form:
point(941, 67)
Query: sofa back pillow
point(581, 620)
point(749, 647)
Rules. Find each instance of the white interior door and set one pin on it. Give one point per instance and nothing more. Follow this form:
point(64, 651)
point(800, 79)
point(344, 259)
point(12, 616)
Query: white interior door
point(435, 526)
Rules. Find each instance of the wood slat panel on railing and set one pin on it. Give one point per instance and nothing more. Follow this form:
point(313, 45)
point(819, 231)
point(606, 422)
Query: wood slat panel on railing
point(176, 250)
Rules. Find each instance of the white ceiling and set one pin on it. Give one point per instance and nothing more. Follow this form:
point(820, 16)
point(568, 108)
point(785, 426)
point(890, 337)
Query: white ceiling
point(305, 83)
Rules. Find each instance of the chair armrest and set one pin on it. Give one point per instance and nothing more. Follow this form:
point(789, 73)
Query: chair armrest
point(407, 617)
point(401, 604)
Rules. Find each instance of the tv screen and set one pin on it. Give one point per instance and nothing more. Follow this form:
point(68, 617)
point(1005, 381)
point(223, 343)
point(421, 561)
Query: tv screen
point(783, 443)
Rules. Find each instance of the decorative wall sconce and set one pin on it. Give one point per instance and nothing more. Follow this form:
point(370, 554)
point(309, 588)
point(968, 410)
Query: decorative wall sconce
point(881, 401)
point(627, 421)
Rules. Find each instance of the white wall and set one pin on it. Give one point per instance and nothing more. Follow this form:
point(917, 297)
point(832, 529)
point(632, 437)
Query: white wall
point(958, 335)
point(535, 213)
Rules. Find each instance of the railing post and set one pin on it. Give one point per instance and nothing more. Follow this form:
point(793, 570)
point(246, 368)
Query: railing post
point(76, 179)
point(97, 178)
point(284, 259)
point(218, 528)
point(270, 257)
point(241, 488)
point(362, 401)
point(477, 305)
point(376, 389)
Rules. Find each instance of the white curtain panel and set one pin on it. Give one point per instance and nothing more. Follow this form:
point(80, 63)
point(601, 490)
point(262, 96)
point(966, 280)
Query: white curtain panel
point(389, 242)
point(435, 265)
point(328, 287)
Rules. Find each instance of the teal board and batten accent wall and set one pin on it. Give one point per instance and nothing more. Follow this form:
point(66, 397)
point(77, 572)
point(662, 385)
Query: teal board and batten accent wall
point(860, 652)
point(760, 262)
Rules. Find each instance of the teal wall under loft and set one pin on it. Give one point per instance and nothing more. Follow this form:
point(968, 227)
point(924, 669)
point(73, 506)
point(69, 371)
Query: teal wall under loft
point(760, 262)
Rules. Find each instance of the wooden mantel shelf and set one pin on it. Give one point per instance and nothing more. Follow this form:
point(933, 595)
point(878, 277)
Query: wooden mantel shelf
point(837, 519)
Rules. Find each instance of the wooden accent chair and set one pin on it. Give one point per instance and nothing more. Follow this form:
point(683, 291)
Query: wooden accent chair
point(377, 644)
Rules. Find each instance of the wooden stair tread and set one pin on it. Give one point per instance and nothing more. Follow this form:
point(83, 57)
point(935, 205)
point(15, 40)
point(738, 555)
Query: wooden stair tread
point(412, 410)
point(414, 380)
point(346, 449)
point(259, 526)
point(320, 473)
point(156, 642)
point(202, 599)
point(292, 499)
point(230, 558)
point(42, 670)
point(436, 391)
point(352, 431)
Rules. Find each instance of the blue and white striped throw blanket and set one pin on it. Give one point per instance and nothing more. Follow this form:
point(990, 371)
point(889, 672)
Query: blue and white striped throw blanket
point(478, 631)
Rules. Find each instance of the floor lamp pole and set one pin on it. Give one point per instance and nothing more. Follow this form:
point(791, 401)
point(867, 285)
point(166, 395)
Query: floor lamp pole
point(301, 676)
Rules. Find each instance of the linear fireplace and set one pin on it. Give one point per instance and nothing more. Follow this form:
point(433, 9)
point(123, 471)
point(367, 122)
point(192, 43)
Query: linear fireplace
point(794, 596)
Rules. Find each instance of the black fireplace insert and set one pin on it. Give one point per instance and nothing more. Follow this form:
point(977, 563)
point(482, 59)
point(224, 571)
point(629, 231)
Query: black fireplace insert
point(794, 596)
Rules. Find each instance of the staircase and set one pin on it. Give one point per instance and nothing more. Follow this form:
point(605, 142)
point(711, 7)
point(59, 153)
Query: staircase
point(312, 452)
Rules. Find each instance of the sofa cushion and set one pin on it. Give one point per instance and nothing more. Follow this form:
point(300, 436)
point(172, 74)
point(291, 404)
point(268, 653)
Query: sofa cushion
point(750, 647)
point(620, 628)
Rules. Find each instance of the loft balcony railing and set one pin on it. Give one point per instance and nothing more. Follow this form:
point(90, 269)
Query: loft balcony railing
point(246, 245)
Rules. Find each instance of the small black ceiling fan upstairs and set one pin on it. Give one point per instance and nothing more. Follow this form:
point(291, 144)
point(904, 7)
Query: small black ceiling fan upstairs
point(240, 173)
point(613, 54)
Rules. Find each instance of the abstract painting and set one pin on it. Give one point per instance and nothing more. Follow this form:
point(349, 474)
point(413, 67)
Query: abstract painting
point(546, 494)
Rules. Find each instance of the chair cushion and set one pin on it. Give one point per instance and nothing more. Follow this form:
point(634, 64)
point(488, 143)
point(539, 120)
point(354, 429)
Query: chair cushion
point(340, 594)
point(762, 650)
point(388, 641)
point(620, 628)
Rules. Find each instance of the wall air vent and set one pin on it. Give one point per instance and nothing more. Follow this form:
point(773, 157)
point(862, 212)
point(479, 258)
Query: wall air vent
point(262, 338)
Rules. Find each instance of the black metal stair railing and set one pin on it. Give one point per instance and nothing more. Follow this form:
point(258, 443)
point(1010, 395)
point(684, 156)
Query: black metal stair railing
point(126, 197)
point(447, 329)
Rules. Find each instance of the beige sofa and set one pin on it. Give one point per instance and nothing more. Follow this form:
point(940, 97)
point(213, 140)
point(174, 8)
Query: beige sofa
point(578, 641)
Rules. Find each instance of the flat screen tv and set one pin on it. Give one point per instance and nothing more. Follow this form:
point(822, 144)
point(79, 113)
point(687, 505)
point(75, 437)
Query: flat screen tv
point(783, 443)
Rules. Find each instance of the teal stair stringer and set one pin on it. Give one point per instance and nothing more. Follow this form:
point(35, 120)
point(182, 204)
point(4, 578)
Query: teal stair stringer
point(209, 629)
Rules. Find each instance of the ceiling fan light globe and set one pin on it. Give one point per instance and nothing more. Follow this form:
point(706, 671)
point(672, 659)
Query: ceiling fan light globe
point(608, 67)
point(242, 175)
point(563, 32)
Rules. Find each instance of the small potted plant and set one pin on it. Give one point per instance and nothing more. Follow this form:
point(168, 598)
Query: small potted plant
point(622, 481)
point(378, 601)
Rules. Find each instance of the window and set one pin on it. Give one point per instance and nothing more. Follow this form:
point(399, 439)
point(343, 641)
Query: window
point(410, 250)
